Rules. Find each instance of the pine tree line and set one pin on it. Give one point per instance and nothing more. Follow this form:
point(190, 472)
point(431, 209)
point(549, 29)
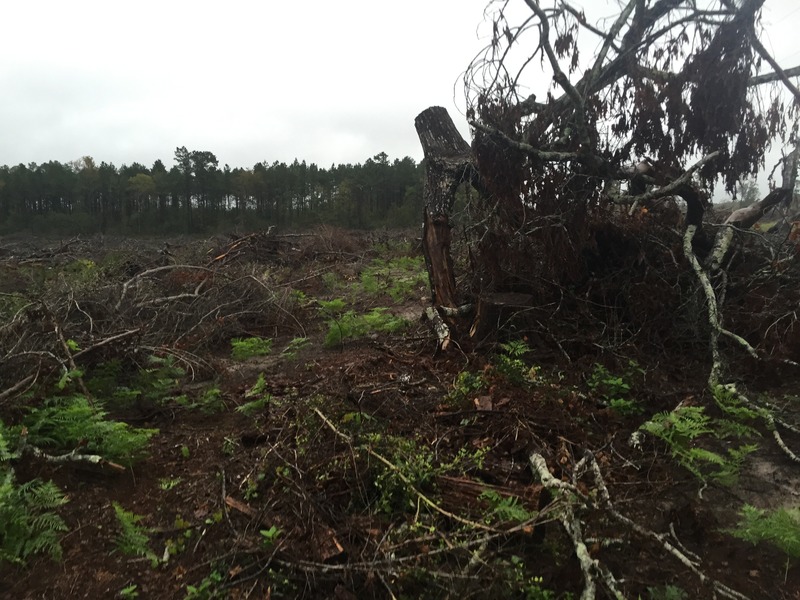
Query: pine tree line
point(196, 195)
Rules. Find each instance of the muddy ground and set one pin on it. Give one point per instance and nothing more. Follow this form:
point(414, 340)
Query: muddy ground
point(292, 499)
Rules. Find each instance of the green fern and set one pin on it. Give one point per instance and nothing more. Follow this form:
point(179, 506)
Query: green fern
point(505, 509)
point(28, 524)
point(64, 424)
point(351, 325)
point(779, 527)
point(133, 539)
point(683, 426)
point(244, 348)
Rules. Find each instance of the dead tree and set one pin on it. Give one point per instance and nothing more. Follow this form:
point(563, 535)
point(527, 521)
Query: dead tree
point(554, 170)
point(448, 163)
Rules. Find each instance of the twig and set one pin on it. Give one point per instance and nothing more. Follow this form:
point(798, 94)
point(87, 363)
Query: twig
point(769, 419)
point(74, 456)
point(670, 188)
point(439, 326)
point(719, 587)
point(539, 466)
point(590, 567)
point(545, 155)
point(113, 338)
point(5, 394)
point(775, 76)
point(778, 70)
point(422, 497)
point(559, 76)
point(711, 303)
point(70, 359)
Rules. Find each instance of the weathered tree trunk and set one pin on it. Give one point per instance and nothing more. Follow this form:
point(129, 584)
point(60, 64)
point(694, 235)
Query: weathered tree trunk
point(448, 162)
point(745, 218)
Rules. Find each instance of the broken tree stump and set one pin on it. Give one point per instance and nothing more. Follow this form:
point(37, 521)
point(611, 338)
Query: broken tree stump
point(448, 163)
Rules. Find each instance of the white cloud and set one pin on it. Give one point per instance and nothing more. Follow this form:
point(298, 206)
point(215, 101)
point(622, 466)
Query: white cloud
point(249, 80)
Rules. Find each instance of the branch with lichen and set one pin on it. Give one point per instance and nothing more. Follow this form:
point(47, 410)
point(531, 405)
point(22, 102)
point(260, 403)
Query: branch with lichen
point(601, 500)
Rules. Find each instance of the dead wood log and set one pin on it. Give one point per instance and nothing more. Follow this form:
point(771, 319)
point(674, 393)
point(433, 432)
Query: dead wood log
point(448, 163)
point(744, 218)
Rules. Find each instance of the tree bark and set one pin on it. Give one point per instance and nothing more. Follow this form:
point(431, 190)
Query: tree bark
point(448, 162)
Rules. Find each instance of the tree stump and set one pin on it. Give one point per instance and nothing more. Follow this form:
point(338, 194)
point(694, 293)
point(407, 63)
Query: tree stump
point(448, 163)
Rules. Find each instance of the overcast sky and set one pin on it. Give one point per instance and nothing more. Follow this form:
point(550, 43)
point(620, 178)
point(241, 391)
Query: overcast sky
point(326, 82)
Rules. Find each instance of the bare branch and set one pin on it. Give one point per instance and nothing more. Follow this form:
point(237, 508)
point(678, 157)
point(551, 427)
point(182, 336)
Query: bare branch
point(775, 76)
point(558, 75)
point(671, 188)
point(782, 76)
point(551, 156)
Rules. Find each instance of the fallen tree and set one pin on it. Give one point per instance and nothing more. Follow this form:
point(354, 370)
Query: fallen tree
point(592, 232)
point(605, 169)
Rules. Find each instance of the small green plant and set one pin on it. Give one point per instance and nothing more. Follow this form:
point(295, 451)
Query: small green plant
point(509, 362)
point(466, 387)
point(133, 539)
point(67, 378)
point(270, 536)
point(780, 527)
point(356, 418)
point(66, 423)
point(28, 523)
point(160, 379)
point(260, 398)
point(176, 545)
point(332, 308)
point(10, 305)
point(399, 278)
point(415, 466)
point(229, 446)
point(207, 589)
point(80, 273)
point(254, 406)
point(351, 325)
point(530, 587)
point(168, 483)
point(211, 401)
point(185, 452)
point(244, 348)
point(505, 508)
point(414, 462)
point(615, 390)
point(330, 281)
point(681, 428)
point(251, 485)
point(129, 592)
point(294, 346)
point(667, 592)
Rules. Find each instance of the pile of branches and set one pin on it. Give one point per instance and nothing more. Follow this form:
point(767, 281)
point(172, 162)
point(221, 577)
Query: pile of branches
point(128, 304)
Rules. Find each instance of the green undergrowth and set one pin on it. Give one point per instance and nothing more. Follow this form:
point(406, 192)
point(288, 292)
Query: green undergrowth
point(779, 527)
point(345, 325)
point(29, 523)
point(507, 365)
point(615, 390)
point(415, 467)
point(244, 348)
point(687, 431)
point(400, 278)
point(62, 424)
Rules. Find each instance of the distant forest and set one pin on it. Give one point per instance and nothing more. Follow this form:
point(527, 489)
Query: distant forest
point(195, 195)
